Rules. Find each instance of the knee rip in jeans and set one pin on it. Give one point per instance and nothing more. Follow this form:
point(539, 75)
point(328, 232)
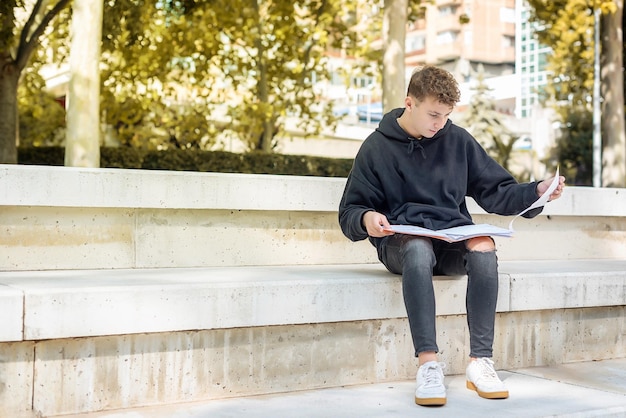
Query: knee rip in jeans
point(480, 245)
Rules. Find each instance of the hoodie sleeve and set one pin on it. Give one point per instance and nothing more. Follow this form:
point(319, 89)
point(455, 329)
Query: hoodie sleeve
point(361, 194)
point(496, 190)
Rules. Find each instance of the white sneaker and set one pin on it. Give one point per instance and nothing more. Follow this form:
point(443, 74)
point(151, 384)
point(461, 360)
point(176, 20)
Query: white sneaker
point(430, 387)
point(482, 377)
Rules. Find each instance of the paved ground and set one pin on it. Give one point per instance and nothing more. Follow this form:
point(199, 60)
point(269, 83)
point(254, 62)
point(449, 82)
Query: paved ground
point(581, 390)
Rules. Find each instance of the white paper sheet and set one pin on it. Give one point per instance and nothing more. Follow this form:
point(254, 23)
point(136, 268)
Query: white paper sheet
point(543, 199)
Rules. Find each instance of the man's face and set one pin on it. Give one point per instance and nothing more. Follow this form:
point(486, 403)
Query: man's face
point(427, 117)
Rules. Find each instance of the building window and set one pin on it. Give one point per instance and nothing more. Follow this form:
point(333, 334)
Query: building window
point(447, 11)
point(336, 79)
point(543, 60)
point(508, 41)
point(446, 37)
point(416, 43)
point(507, 15)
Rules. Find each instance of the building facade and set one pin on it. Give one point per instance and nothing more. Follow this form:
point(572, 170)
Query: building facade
point(459, 35)
point(530, 63)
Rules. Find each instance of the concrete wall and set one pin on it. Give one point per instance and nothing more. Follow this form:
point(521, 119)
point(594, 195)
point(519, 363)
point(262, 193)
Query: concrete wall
point(104, 373)
point(78, 341)
point(65, 218)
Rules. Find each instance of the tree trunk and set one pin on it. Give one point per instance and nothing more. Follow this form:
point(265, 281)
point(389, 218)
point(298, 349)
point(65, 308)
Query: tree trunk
point(262, 88)
point(394, 36)
point(9, 76)
point(268, 126)
point(612, 85)
point(83, 114)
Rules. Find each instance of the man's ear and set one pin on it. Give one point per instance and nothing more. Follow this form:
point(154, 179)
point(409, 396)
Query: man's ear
point(408, 103)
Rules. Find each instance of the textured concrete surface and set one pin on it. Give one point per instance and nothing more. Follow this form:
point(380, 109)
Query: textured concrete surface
point(44, 304)
point(71, 218)
point(590, 389)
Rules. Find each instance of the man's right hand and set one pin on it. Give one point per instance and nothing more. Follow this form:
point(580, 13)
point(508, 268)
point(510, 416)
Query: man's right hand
point(374, 223)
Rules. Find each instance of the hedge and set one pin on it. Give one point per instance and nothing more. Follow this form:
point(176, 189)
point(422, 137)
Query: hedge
point(195, 160)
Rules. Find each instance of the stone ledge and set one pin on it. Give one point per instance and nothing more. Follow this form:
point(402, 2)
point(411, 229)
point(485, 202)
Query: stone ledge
point(120, 188)
point(76, 218)
point(85, 303)
point(26, 185)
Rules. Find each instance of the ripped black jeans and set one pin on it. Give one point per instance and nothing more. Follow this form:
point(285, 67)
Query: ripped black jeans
point(417, 259)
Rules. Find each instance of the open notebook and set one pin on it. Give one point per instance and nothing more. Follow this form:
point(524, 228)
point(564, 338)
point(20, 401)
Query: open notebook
point(460, 233)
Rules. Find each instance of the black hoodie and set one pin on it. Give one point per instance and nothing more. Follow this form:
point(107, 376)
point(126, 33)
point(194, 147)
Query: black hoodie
point(424, 182)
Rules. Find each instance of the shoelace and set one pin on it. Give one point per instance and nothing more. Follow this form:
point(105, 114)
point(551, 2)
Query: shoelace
point(433, 374)
point(487, 371)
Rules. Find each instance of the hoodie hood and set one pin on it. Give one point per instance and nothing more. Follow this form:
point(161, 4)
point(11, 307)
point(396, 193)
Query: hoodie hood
point(391, 129)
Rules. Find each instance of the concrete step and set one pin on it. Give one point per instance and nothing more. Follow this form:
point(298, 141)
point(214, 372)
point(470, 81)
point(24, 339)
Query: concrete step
point(85, 341)
point(586, 389)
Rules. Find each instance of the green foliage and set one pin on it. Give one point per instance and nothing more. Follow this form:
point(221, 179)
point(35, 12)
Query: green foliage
point(178, 72)
point(486, 124)
point(361, 40)
point(41, 117)
point(197, 160)
point(188, 160)
point(184, 73)
point(264, 163)
point(7, 23)
point(54, 156)
point(274, 55)
point(22, 27)
point(567, 26)
point(120, 157)
point(574, 150)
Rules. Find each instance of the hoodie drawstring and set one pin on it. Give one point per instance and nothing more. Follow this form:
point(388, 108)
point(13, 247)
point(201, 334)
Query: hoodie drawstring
point(412, 146)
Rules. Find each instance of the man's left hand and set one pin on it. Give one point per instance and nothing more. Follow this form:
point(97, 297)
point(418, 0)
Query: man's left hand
point(542, 187)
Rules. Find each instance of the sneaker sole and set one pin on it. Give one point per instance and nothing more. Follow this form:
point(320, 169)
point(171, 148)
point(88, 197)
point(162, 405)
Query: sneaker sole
point(430, 401)
point(503, 394)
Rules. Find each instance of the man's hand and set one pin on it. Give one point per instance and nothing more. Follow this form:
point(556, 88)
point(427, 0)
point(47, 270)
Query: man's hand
point(542, 187)
point(374, 223)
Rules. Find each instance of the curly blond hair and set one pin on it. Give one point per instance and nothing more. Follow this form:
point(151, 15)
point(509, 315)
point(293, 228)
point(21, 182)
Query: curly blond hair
point(431, 81)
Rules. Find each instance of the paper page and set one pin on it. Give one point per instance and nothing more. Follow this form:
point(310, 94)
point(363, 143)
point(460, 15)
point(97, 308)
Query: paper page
point(415, 230)
point(475, 231)
point(457, 233)
point(542, 200)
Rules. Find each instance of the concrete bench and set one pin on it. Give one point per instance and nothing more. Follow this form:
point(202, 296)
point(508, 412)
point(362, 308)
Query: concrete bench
point(128, 288)
point(43, 305)
point(71, 218)
point(122, 338)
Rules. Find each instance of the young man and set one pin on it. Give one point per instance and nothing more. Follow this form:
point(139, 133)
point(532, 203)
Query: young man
point(417, 168)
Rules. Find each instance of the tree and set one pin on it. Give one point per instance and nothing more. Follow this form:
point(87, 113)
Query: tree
point(174, 73)
point(389, 56)
point(394, 35)
point(486, 124)
point(177, 72)
point(567, 26)
point(41, 117)
point(574, 149)
point(155, 69)
point(82, 145)
point(16, 48)
point(242, 67)
point(272, 54)
point(612, 88)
